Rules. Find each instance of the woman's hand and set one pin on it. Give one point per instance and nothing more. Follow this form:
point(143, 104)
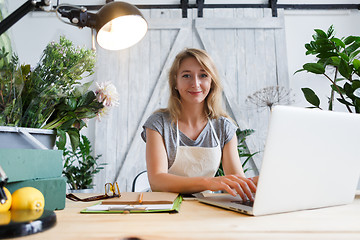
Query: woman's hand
point(255, 179)
point(233, 184)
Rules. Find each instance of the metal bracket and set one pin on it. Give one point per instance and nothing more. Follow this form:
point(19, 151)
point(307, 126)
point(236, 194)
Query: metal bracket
point(200, 6)
point(184, 7)
point(273, 6)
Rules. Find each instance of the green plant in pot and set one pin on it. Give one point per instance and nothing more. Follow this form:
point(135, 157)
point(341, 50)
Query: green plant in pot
point(338, 61)
point(52, 95)
point(80, 165)
point(244, 154)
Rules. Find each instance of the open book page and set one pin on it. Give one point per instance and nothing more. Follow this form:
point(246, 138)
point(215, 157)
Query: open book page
point(146, 198)
point(142, 207)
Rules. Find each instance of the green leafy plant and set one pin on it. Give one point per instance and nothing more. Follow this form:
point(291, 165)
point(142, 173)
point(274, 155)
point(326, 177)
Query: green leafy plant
point(70, 113)
point(338, 60)
point(243, 151)
point(51, 96)
point(80, 166)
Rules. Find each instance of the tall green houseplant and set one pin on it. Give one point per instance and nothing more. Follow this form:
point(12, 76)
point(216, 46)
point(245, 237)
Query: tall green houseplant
point(338, 61)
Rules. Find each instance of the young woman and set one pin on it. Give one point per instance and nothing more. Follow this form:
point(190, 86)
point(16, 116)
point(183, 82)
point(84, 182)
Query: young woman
point(186, 142)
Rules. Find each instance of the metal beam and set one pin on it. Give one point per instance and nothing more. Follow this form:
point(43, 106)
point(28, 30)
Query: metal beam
point(272, 4)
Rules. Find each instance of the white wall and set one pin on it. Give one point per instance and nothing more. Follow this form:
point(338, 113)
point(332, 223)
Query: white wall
point(33, 32)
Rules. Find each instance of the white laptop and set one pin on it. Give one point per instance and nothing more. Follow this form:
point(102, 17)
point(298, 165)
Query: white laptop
point(311, 160)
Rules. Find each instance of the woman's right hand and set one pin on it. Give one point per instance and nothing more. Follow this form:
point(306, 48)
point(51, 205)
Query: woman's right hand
point(233, 184)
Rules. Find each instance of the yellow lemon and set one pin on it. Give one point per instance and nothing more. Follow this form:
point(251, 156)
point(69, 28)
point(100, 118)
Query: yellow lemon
point(27, 198)
point(25, 215)
point(6, 206)
point(5, 217)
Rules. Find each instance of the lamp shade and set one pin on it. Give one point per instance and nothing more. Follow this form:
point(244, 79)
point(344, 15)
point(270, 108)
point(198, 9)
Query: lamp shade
point(119, 25)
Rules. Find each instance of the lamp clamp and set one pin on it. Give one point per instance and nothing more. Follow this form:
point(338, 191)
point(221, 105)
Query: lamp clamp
point(78, 16)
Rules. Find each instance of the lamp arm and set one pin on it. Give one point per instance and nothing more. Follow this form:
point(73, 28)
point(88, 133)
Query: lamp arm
point(21, 12)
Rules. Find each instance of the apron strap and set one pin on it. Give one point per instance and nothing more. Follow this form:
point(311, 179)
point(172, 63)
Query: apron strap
point(213, 130)
point(178, 135)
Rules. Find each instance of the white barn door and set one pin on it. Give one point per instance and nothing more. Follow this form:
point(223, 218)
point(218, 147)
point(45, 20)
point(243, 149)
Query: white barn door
point(247, 55)
point(248, 46)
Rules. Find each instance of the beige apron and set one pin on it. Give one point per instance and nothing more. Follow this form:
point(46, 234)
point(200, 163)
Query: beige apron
point(196, 161)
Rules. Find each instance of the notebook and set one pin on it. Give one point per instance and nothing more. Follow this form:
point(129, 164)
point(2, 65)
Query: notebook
point(311, 160)
point(138, 202)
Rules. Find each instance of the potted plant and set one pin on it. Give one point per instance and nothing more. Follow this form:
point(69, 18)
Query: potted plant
point(338, 61)
point(80, 165)
point(51, 95)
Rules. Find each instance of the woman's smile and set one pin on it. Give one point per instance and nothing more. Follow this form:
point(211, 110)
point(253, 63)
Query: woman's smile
point(195, 92)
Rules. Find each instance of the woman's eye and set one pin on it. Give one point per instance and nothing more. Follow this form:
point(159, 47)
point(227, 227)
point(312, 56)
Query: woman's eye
point(186, 76)
point(204, 75)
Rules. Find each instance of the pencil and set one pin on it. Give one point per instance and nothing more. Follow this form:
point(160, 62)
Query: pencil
point(141, 198)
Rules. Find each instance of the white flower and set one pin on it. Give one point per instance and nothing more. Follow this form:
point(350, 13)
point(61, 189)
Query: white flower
point(107, 94)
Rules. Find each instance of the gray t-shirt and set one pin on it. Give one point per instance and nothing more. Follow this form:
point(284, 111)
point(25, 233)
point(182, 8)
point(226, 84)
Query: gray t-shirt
point(161, 122)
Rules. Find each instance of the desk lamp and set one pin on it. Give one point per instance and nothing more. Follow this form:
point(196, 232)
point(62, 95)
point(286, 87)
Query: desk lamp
point(119, 25)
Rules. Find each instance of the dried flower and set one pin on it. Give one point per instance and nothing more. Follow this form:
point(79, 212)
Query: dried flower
point(270, 96)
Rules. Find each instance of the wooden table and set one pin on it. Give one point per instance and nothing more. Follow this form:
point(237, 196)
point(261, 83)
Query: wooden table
point(200, 221)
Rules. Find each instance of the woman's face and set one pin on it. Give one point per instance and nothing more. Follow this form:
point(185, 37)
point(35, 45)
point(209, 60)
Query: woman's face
point(192, 81)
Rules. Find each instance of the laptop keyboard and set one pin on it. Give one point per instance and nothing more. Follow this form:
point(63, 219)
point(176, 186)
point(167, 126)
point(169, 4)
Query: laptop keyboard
point(246, 203)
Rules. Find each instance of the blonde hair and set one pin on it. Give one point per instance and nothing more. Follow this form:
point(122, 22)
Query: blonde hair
point(213, 102)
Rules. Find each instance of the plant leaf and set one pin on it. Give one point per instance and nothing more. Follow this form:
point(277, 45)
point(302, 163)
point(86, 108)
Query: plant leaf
point(81, 90)
point(335, 61)
point(330, 31)
point(74, 138)
point(345, 69)
point(352, 47)
point(309, 47)
point(344, 102)
point(356, 64)
point(321, 33)
point(354, 54)
point(326, 54)
point(344, 56)
point(314, 68)
point(311, 97)
point(348, 90)
point(300, 70)
point(338, 42)
point(355, 84)
point(62, 139)
point(349, 40)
